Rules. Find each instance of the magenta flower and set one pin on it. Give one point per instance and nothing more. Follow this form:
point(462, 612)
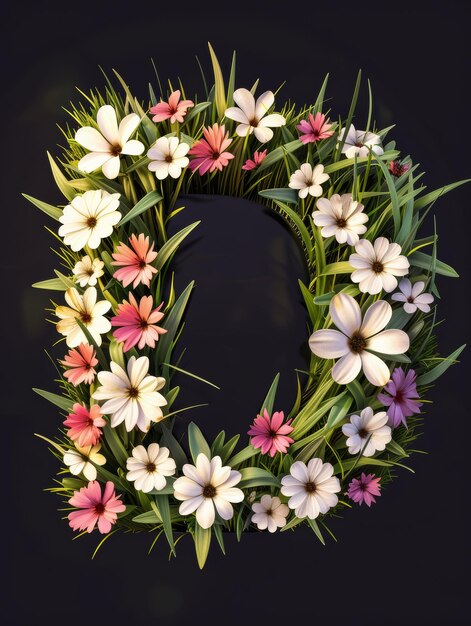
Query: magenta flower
point(251, 164)
point(135, 262)
point(137, 323)
point(173, 110)
point(364, 489)
point(397, 168)
point(210, 152)
point(85, 425)
point(81, 362)
point(95, 508)
point(270, 434)
point(314, 128)
point(403, 397)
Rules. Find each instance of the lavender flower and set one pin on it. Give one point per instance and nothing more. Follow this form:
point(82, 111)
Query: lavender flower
point(364, 489)
point(402, 399)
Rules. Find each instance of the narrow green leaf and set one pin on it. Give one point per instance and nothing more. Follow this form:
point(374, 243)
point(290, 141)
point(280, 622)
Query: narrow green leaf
point(170, 246)
point(338, 412)
point(63, 403)
point(198, 444)
point(149, 517)
point(342, 267)
point(196, 110)
point(257, 477)
point(149, 200)
point(50, 210)
point(432, 196)
point(313, 524)
point(278, 153)
point(426, 262)
point(242, 456)
point(284, 194)
point(270, 397)
point(441, 368)
point(53, 284)
point(61, 181)
point(219, 89)
point(116, 445)
point(202, 539)
point(169, 440)
point(298, 222)
point(164, 511)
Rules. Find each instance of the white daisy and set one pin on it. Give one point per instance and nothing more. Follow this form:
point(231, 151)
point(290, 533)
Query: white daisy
point(357, 338)
point(377, 265)
point(147, 469)
point(412, 296)
point(131, 396)
point(340, 216)
point(252, 115)
point(167, 157)
point(311, 488)
point(86, 309)
point(208, 487)
point(87, 272)
point(89, 218)
point(269, 513)
point(80, 460)
point(308, 180)
point(367, 427)
point(108, 144)
point(359, 143)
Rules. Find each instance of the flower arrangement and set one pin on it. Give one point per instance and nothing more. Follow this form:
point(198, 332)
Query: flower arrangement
point(356, 205)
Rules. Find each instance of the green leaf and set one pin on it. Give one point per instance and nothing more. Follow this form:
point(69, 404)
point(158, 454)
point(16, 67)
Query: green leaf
point(196, 110)
point(342, 267)
point(163, 506)
point(308, 301)
point(61, 181)
point(338, 412)
point(284, 194)
point(298, 222)
point(50, 210)
point(170, 246)
point(278, 153)
point(169, 440)
point(396, 449)
point(202, 539)
point(257, 477)
point(426, 262)
point(217, 529)
point(166, 491)
point(149, 200)
point(243, 455)
point(219, 90)
point(53, 284)
point(441, 368)
point(149, 517)
point(270, 397)
point(171, 323)
point(358, 394)
point(116, 445)
point(63, 403)
point(430, 197)
point(198, 444)
point(313, 524)
point(396, 212)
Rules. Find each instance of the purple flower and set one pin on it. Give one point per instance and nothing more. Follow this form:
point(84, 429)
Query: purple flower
point(403, 397)
point(364, 489)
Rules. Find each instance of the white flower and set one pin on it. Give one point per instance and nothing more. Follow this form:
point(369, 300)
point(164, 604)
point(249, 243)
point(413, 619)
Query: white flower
point(148, 468)
point(412, 296)
point(251, 115)
point(376, 266)
point(311, 488)
point(269, 513)
point(358, 143)
point(86, 309)
point(132, 396)
point(208, 487)
point(80, 460)
point(340, 216)
point(367, 426)
point(87, 272)
point(308, 180)
point(107, 145)
point(357, 338)
point(167, 157)
point(89, 218)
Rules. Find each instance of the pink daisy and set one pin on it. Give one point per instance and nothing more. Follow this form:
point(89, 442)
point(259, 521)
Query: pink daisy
point(258, 157)
point(137, 323)
point(210, 152)
point(270, 434)
point(135, 261)
point(81, 361)
point(95, 508)
point(173, 110)
point(401, 397)
point(85, 425)
point(364, 489)
point(397, 168)
point(314, 128)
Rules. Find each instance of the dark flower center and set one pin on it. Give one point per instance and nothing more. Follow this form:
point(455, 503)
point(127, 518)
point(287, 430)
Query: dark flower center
point(216, 155)
point(150, 467)
point(90, 272)
point(410, 299)
point(310, 487)
point(363, 433)
point(357, 343)
point(253, 122)
point(133, 392)
point(86, 318)
point(377, 267)
point(358, 145)
point(142, 264)
point(115, 150)
point(99, 508)
point(209, 491)
point(341, 223)
point(143, 324)
point(169, 158)
point(91, 222)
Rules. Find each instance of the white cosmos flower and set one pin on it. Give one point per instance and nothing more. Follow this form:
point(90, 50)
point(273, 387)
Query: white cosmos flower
point(358, 143)
point(109, 143)
point(89, 218)
point(308, 180)
point(412, 296)
point(311, 488)
point(86, 309)
point(80, 460)
point(167, 157)
point(208, 487)
point(367, 427)
point(377, 265)
point(148, 468)
point(87, 272)
point(357, 338)
point(340, 216)
point(252, 116)
point(131, 396)
point(269, 513)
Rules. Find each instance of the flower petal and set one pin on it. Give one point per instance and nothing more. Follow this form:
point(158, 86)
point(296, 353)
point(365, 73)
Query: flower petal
point(376, 318)
point(328, 344)
point(345, 313)
point(347, 368)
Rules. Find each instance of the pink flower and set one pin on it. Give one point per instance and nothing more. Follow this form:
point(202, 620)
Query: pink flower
point(174, 110)
point(364, 489)
point(314, 128)
point(210, 152)
point(402, 397)
point(270, 434)
point(81, 362)
point(135, 261)
point(397, 168)
point(137, 323)
point(95, 507)
point(85, 425)
point(258, 157)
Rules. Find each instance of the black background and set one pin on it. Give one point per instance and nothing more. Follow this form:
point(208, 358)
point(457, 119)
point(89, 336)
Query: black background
point(405, 560)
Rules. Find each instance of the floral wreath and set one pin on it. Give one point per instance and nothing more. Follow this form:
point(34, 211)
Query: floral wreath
point(356, 207)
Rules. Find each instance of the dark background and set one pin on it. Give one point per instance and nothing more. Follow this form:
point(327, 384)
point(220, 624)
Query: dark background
point(404, 561)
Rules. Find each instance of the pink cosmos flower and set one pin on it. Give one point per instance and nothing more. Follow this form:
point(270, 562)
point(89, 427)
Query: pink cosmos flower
point(173, 110)
point(364, 489)
point(270, 434)
point(314, 128)
point(135, 261)
point(85, 425)
point(258, 157)
point(401, 397)
point(210, 152)
point(81, 361)
point(137, 323)
point(95, 508)
point(397, 168)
